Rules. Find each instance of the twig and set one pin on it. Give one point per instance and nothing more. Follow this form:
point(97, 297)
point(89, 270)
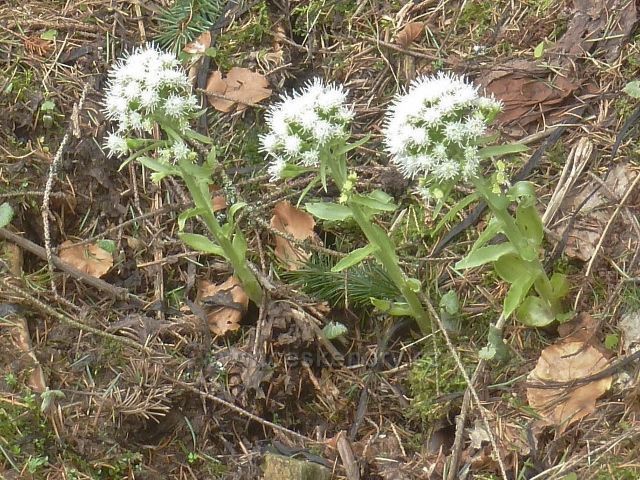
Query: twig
point(30, 299)
point(619, 207)
point(115, 292)
point(239, 410)
point(456, 450)
point(53, 170)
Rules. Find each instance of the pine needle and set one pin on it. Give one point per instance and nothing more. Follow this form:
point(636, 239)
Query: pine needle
point(357, 285)
point(186, 20)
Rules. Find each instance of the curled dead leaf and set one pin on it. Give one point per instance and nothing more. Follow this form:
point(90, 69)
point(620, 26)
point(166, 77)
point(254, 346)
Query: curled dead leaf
point(89, 259)
point(225, 304)
point(288, 219)
point(218, 200)
point(410, 33)
point(199, 45)
point(240, 89)
point(567, 362)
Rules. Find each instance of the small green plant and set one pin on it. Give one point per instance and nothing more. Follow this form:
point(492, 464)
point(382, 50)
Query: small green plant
point(186, 19)
point(148, 88)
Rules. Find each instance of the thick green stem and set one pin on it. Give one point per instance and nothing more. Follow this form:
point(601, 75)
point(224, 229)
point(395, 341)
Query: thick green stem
point(240, 267)
point(498, 206)
point(384, 254)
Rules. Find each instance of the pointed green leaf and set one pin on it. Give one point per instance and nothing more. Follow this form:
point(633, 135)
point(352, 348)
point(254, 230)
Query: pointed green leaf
point(328, 211)
point(354, 258)
point(530, 224)
point(201, 244)
point(484, 255)
point(395, 309)
point(495, 151)
point(239, 244)
point(560, 285)
point(516, 294)
point(375, 202)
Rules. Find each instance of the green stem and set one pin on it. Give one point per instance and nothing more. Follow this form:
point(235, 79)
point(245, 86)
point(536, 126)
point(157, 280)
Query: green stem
point(385, 252)
point(498, 206)
point(240, 267)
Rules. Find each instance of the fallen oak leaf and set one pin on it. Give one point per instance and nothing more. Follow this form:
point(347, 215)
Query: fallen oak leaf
point(90, 259)
point(409, 33)
point(288, 219)
point(566, 362)
point(225, 303)
point(240, 88)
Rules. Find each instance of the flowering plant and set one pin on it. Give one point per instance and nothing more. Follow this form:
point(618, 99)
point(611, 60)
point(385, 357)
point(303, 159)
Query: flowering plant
point(304, 125)
point(148, 92)
point(311, 129)
point(435, 132)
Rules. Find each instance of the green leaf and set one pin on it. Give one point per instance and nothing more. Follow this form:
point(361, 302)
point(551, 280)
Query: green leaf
point(530, 224)
point(306, 190)
point(376, 200)
point(107, 245)
point(484, 255)
point(496, 349)
point(292, 171)
point(6, 214)
point(490, 231)
point(354, 258)
point(414, 285)
point(328, 211)
point(502, 150)
point(382, 240)
point(632, 89)
point(449, 302)
point(511, 267)
point(539, 50)
point(50, 34)
point(156, 166)
point(352, 146)
point(611, 341)
point(517, 292)
point(560, 285)
point(333, 330)
point(48, 106)
point(522, 192)
point(453, 211)
point(192, 134)
point(201, 244)
point(239, 244)
point(187, 214)
point(395, 309)
point(235, 208)
point(535, 312)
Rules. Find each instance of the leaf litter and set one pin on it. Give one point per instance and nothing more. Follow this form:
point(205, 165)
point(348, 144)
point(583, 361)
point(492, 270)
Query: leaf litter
point(573, 358)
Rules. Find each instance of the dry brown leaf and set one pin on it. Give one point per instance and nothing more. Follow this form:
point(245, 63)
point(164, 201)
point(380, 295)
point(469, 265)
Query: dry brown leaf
point(22, 339)
point(225, 303)
point(580, 329)
point(218, 200)
point(596, 204)
point(566, 362)
point(410, 33)
point(199, 45)
point(288, 219)
point(240, 88)
point(89, 259)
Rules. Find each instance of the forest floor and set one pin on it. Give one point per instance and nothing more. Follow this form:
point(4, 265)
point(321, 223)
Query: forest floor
point(119, 360)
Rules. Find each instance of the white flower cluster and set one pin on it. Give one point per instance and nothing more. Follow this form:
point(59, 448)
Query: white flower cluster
point(433, 129)
point(144, 87)
point(300, 125)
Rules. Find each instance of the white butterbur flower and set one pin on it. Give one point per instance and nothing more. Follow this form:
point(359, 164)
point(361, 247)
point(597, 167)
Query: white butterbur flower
point(116, 145)
point(302, 124)
point(432, 131)
point(146, 87)
point(180, 151)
